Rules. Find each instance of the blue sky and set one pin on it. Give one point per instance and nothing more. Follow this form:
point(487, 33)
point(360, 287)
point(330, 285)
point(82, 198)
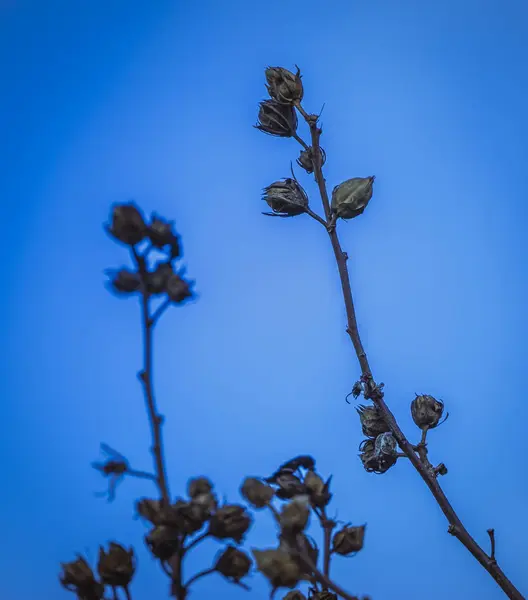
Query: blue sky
point(108, 101)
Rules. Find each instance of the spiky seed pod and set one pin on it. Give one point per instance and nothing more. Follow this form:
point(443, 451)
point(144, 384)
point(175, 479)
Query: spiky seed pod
point(348, 540)
point(277, 119)
point(426, 411)
point(372, 422)
point(286, 198)
point(306, 162)
point(284, 86)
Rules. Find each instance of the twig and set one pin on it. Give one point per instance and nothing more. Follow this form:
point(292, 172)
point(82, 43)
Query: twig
point(199, 575)
point(196, 541)
point(491, 533)
point(145, 377)
point(128, 595)
point(420, 462)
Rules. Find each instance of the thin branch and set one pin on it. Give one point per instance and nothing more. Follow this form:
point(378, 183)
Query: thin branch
point(128, 595)
point(159, 311)
point(315, 216)
point(145, 377)
point(196, 541)
point(199, 575)
point(491, 533)
point(328, 526)
point(301, 141)
point(420, 462)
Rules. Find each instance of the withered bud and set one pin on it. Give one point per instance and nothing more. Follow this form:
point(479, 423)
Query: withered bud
point(357, 389)
point(256, 492)
point(77, 574)
point(204, 505)
point(198, 486)
point(277, 119)
point(117, 566)
point(157, 279)
point(303, 461)
point(233, 563)
point(286, 198)
point(283, 85)
point(385, 445)
point(289, 486)
point(163, 541)
point(426, 411)
point(124, 281)
point(279, 567)
point(230, 521)
point(183, 517)
point(127, 224)
point(372, 422)
point(178, 289)
point(295, 595)
point(294, 516)
point(375, 462)
point(348, 540)
point(350, 198)
point(150, 510)
point(319, 491)
point(111, 467)
point(161, 233)
point(306, 160)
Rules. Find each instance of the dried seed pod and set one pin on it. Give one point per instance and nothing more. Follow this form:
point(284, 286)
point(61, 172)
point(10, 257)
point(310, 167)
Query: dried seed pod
point(127, 224)
point(319, 491)
point(203, 506)
point(303, 461)
point(161, 234)
point(283, 86)
point(289, 486)
point(286, 198)
point(279, 567)
point(385, 445)
point(198, 486)
point(348, 540)
point(178, 290)
point(294, 516)
point(372, 422)
point(150, 510)
point(157, 279)
point(233, 563)
point(426, 411)
point(230, 521)
point(350, 198)
point(163, 541)
point(256, 492)
point(306, 159)
point(117, 566)
point(277, 119)
point(77, 574)
point(374, 462)
point(124, 281)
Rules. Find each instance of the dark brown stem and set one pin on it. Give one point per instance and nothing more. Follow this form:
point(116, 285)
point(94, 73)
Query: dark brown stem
point(491, 533)
point(420, 460)
point(301, 141)
point(145, 376)
point(128, 595)
point(114, 593)
point(328, 526)
point(196, 541)
point(199, 575)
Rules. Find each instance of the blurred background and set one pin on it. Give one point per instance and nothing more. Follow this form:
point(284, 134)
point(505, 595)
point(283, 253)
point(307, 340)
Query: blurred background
point(106, 102)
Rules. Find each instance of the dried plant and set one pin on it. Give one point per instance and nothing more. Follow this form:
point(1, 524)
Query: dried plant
point(178, 525)
point(385, 442)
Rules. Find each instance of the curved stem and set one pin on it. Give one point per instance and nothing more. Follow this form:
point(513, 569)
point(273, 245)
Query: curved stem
point(423, 466)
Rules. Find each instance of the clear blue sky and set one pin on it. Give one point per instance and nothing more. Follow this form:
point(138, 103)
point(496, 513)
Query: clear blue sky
point(107, 101)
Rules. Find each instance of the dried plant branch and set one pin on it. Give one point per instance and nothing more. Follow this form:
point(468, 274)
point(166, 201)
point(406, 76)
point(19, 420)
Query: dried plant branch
point(418, 459)
point(145, 376)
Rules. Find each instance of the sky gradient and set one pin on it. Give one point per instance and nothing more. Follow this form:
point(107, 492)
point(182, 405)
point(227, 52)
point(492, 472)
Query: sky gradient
point(111, 101)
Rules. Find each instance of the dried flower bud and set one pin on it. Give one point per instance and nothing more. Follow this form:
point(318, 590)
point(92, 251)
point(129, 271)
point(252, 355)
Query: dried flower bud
point(233, 563)
point(111, 467)
point(150, 510)
point(303, 461)
point(372, 422)
point(177, 289)
point(77, 574)
point(357, 389)
point(161, 234)
point(375, 462)
point(127, 224)
point(184, 517)
point(294, 516)
point(256, 492)
point(230, 521)
point(295, 595)
point(286, 198)
point(204, 505)
point(319, 490)
point(124, 281)
point(289, 486)
point(117, 566)
point(279, 567)
point(350, 198)
point(283, 85)
point(163, 541)
point(385, 445)
point(198, 486)
point(277, 119)
point(348, 540)
point(426, 411)
point(306, 161)
point(157, 279)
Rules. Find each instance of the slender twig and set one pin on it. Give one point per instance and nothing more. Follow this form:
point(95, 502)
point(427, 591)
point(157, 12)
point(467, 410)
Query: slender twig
point(328, 526)
point(145, 376)
point(196, 541)
point(315, 216)
point(128, 595)
point(301, 141)
point(420, 462)
point(159, 311)
point(491, 533)
point(199, 575)
point(114, 593)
